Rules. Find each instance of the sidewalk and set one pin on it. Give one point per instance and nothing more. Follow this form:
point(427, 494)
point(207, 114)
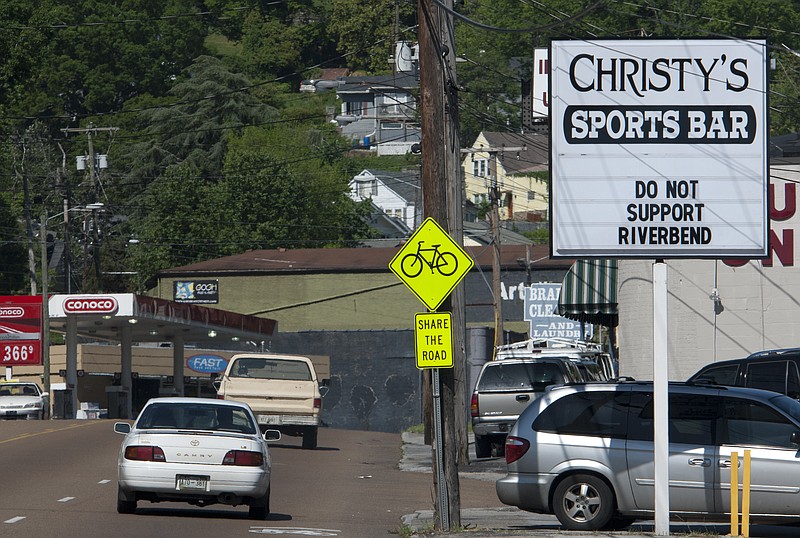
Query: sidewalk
point(510, 521)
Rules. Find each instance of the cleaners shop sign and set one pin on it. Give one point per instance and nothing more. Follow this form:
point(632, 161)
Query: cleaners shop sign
point(659, 148)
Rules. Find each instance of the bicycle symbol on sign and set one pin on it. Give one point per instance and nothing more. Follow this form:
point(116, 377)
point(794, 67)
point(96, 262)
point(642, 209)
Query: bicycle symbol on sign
point(445, 263)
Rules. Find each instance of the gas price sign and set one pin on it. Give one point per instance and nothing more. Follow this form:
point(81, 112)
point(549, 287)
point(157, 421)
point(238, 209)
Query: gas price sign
point(20, 353)
point(20, 330)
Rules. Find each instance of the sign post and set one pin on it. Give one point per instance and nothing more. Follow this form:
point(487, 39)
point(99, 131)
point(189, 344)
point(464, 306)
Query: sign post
point(431, 265)
point(659, 150)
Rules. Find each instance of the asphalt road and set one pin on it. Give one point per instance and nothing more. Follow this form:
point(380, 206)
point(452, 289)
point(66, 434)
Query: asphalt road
point(59, 479)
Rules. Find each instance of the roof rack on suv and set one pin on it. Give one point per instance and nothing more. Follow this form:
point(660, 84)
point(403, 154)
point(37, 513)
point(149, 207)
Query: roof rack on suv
point(534, 344)
point(563, 348)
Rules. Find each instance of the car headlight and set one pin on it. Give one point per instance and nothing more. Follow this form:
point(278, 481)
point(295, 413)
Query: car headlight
point(33, 405)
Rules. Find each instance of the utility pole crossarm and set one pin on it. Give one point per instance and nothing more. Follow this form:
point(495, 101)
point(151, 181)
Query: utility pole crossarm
point(495, 149)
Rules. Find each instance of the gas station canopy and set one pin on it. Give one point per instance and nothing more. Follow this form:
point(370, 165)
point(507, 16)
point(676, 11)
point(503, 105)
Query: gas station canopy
point(149, 319)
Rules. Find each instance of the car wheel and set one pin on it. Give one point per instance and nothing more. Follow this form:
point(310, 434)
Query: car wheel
point(583, 503)
point(483, 446)
point(310, 439)
point(259, 508)
point(124, 506)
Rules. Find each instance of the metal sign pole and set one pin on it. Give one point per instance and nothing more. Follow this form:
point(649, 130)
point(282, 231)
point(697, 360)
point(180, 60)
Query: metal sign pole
point(444, 505)
point(661, 398)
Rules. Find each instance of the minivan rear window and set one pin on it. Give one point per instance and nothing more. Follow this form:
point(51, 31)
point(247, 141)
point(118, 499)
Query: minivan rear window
point(595, 413)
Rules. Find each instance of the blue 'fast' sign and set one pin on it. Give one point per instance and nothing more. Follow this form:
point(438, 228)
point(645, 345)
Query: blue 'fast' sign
point(207, 364)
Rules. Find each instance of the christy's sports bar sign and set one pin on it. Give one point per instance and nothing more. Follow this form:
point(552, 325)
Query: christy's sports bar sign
point(20, 330)
point(659, 148)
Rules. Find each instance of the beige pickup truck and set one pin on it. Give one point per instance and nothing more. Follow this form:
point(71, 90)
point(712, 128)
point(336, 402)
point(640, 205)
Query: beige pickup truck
point(284, 391)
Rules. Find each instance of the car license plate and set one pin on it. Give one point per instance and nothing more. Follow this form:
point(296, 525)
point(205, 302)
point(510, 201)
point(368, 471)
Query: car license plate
point(269, 419)
point(191, 482)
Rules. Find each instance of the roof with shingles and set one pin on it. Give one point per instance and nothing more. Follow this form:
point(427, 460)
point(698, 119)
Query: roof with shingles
point(534, 158)
point(406, 184)
point(350, 260)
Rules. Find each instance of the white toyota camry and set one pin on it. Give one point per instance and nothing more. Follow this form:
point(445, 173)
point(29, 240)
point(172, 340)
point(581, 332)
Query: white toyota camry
point(195, 450)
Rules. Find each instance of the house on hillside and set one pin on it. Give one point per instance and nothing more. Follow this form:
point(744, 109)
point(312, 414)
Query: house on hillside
point(379, 112)
point(396, 194)
point(520, 175)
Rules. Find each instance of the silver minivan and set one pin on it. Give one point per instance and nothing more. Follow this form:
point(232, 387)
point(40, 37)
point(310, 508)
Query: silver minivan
point(585, 453)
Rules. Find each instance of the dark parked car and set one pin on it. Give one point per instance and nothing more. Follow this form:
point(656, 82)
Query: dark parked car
point(777, 370)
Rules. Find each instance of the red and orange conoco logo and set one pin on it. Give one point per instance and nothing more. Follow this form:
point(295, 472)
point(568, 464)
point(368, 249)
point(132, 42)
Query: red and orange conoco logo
point(11, 312)
point(90, 305)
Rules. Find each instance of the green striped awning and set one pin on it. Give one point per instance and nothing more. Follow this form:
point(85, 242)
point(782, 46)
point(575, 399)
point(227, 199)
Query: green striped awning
point(589, 293)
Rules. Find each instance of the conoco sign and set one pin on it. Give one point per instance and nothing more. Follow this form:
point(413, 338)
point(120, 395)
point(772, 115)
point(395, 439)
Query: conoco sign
point(90, 305)
point(11, 312)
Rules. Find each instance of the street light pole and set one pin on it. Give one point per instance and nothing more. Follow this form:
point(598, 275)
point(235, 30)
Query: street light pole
point(45, 310)
point(45, 283)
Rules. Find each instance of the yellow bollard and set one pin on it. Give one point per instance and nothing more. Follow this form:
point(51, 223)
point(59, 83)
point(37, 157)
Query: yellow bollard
point(746, 495)
point(734, 493)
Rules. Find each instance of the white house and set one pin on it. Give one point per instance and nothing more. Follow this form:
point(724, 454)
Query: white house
point(397, 194)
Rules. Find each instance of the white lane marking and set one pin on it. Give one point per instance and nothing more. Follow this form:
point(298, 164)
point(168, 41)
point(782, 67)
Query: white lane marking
point(65, 499)
point(14, 519)
point(296, 531)
point(104, 481)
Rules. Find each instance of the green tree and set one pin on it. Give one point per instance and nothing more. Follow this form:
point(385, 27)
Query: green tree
point(285, 39)
point(70, 59)
point(366, 31)
point(205, 105)
point(13, 260)
point(172, 229)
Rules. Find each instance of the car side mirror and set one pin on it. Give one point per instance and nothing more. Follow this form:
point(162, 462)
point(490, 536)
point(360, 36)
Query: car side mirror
point(323, 390)
point(122, 427)
point(216, 384)
point(272, 435)
point(44, 394)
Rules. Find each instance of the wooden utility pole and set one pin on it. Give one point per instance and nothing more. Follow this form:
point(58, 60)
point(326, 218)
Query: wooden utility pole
point(432, 54)
point(92, 281)
point(455, 215)
point(494, 222)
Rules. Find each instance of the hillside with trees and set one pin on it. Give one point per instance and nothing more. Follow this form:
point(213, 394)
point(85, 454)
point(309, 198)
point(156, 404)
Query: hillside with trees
point(212, 150)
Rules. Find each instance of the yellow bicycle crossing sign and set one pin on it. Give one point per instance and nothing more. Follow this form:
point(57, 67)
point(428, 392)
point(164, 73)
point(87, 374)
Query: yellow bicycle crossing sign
point(431, 264)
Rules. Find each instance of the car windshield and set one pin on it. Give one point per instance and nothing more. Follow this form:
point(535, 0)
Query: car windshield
point(19, 390)
point(590, 371)
point(788, 405)
point(193, 416)
point(261, 368)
